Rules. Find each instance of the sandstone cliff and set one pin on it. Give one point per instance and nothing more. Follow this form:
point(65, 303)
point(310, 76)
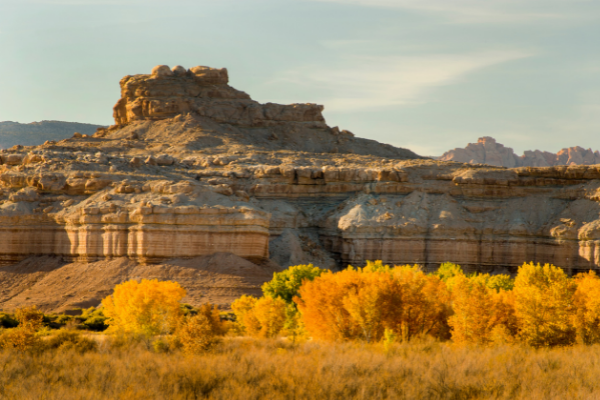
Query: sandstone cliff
point(193, 167)
point(488, 151)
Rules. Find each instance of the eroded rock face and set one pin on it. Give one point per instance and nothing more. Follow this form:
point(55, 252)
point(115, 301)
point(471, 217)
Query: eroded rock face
point(205, 169)
point(203, 90)
point(488, 151)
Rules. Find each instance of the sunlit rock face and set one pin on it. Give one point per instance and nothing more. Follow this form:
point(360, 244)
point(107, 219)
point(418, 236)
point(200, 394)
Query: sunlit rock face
point(193, 167)
point(203, 90)
point(488, 151)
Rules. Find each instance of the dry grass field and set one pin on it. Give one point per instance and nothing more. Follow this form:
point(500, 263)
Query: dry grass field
point(243, 368)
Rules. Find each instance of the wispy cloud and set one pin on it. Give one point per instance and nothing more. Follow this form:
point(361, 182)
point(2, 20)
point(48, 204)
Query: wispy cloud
point(485, 11)
point(371, 82)
point(86, 2)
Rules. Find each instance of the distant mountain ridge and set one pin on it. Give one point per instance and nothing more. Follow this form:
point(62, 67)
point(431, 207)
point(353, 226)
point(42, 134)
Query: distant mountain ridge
point(488, 151)
point(36, 133)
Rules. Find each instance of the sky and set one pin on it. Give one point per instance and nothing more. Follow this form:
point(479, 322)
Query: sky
point(428, 75)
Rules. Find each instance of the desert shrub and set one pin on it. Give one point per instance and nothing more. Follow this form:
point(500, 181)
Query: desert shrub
point(149, 307)
point(188, 309)
point(20, 338)
point(24, 337)
point(213, 316)
point(273, 369)
point(71, 340)
point(62, 319)
point(164, 344)
point(389, 338)
point(543, 303)
point(8, 321)
point(197, 334)
point(29, 318)
point(93, 319)
point(124, 341)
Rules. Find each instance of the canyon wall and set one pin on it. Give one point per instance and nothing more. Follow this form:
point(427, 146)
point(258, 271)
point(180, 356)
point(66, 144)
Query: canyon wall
point(193, 167)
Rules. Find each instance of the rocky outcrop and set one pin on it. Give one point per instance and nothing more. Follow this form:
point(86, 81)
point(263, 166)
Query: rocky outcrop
point(184, 184)
point(166, 93)
point(488, 151)
point(196, 109)
point(36, 133)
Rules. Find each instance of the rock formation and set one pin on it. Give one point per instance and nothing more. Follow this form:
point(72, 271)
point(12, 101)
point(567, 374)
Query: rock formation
point(36, 133)
point(488, 151)
point(193, 168)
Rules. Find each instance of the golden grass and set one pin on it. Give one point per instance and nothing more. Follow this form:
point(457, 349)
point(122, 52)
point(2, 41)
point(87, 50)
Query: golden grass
point(273, 369)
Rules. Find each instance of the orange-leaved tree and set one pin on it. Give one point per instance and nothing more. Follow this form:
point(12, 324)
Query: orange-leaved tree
point(482, 315)
point(543, 303)
point(321, 304)
point(149, 307)
point(425, 305)
point(362, 303)
point(586, 301)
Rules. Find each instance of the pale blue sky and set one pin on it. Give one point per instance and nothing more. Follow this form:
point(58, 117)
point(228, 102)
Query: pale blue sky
point(429, 75)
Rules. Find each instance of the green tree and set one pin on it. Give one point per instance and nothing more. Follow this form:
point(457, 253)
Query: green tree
point(500, 282)
point(286, 284)
point(448, 271)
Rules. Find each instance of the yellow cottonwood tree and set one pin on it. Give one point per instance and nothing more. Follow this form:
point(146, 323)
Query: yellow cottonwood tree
point(365, 308)
point(586, 301)
point(245, 319)
point(543, 303)
point(149, 307)
point(264, 317)
point(481, 314)
point(362, 303)
point(424, 306)
point(270, 313)
point(321, 304)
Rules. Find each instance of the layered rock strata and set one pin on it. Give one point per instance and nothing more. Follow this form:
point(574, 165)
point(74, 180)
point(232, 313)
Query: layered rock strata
point(488, 151)
point(223, 174)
